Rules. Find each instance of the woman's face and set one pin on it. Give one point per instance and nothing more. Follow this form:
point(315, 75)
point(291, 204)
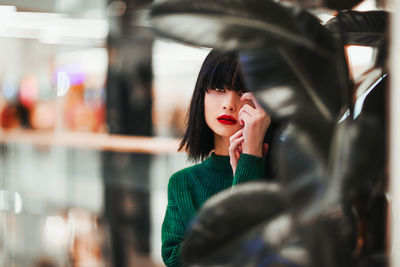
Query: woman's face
point(221, 108)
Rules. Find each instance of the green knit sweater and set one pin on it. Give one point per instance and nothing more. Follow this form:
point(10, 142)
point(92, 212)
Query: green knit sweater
point(189, 188)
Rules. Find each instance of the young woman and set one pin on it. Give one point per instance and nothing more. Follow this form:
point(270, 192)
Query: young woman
point(227, 122)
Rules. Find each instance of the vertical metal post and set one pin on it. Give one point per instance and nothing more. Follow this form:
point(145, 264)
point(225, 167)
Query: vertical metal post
point(394, 136)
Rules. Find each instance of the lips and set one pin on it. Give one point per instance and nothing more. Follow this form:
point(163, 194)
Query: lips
point(227, 120)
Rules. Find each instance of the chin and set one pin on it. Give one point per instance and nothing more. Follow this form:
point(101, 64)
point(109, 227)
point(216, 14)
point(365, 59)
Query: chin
point(226, 133)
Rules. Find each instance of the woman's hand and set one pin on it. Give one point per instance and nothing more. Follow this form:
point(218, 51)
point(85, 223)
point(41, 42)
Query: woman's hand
point(235, 148)
point(255, 123)
point(250, 138)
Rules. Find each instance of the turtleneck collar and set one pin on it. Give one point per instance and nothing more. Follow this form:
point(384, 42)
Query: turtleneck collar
point(217, 162)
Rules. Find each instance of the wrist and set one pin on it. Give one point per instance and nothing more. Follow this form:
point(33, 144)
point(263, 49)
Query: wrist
point(252, 151)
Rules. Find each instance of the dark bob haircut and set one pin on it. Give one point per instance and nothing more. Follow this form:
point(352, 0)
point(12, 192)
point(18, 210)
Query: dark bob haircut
point(219, 70)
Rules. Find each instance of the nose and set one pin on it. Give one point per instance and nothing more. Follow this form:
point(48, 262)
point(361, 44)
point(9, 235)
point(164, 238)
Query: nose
point(230, 101)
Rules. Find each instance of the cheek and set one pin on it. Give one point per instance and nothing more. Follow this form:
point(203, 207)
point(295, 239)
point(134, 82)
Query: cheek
point(211, 103)
point(207, 116)
point(208, 109)
point(241, 104)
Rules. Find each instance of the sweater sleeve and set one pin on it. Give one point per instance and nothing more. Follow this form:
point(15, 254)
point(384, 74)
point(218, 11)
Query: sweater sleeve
point(174, 226)
point(249, 168)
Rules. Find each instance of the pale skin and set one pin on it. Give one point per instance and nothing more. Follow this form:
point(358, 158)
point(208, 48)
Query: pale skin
point(247, 134)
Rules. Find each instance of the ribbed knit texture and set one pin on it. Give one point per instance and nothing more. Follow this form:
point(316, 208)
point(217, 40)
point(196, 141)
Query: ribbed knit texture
point(189, 188)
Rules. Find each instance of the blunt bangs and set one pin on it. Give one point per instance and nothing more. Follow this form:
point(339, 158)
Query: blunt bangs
point(222, 71)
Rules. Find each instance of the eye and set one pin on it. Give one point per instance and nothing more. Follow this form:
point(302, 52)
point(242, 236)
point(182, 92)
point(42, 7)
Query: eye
point(219, 89)
point(241, 92)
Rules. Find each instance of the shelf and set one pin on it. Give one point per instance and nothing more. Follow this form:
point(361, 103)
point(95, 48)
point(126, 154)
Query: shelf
point(99, 141)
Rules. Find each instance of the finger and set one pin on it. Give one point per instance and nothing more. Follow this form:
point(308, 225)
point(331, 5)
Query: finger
point(236, 135)
point(234, 154)
point(265, 149)
point(240, 115)
point(244, 117)
point(234, 145)
point(239, 150)
point(250, 97)
point(249, 109)
point(233, 159)
point(238, 154)
point(233, 148)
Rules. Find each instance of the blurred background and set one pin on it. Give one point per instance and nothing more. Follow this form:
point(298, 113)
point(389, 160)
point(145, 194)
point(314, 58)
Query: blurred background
point(91, 109)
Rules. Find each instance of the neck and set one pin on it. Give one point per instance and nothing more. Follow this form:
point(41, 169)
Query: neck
point(221, 145)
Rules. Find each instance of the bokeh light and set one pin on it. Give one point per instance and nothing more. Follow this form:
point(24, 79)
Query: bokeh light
point(63, 83)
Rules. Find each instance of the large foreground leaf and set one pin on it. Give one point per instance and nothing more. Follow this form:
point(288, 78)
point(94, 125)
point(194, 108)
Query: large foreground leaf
point(236, 24)
point(360, 28)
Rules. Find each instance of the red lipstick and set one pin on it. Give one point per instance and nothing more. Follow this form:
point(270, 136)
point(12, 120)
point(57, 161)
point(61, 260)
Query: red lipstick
point(226, 119)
